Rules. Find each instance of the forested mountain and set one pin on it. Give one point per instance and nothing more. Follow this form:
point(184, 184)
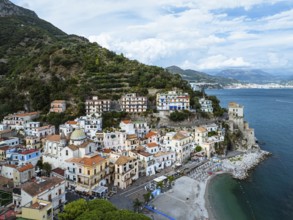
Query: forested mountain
point(40, 63)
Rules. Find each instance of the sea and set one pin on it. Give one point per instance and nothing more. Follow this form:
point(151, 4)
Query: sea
point(268, 192)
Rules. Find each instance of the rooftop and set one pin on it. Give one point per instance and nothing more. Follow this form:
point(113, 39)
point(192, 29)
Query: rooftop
point(25, 167)
point(123, 160)
point(150, 134)
point(33, 188)
point(152, 144)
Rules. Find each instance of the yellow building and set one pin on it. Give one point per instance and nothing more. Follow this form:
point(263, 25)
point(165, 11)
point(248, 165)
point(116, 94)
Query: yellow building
point(126, 170)
point(91, 172)
point(38, 209)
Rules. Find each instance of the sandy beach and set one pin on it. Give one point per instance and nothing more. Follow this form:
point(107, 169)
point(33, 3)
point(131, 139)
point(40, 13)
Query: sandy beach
point(189, 197)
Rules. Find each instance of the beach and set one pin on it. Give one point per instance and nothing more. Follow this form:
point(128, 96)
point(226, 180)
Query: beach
point(189, 197)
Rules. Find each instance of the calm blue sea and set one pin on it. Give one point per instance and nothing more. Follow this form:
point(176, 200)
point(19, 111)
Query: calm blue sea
point(268, 193)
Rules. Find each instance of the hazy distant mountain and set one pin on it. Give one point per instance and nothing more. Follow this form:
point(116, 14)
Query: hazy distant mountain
point(193, 75)
point(248, 75)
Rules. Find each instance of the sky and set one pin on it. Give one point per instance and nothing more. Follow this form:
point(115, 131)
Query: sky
point(205, 35)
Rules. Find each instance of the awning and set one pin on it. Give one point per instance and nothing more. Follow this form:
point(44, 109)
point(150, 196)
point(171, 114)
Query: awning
point(81, 189)
point(160, 179)
point(100, 189)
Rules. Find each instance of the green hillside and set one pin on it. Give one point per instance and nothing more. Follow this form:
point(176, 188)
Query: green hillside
point(40, 63)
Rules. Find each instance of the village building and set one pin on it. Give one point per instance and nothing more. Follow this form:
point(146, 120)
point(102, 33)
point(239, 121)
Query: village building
point(206, 105)
point(96, 105)
point(44, 131)
point(132, 103)
point(126, 171)
point(18, 120)
point(164, 159)
point(182, 144)
point(30, 127)
point(200, 135)
point(146, 162)
point(21, 156)
point(58, 106)
point(33, 142)
point(32, 194)
point(88, 173)
point(140, 128)
point(9, 141)
point(23, 174)
point(172, 101)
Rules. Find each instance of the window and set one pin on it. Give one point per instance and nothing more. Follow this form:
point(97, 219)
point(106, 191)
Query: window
point(59, 191)
point(88, 172)
point(50, 197)
point(66, 152)
point(79, 170)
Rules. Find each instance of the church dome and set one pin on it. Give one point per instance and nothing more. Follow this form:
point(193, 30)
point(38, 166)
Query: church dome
point(77, 135)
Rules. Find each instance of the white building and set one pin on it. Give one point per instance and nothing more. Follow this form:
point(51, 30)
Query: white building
point(11, 141)
point(44, 131)
point(133, 103)
point(96, 105)
point(114, 140)
point(140, 128)
point(235, 110)
point(206, 105)
point(152, 148)
point(164, 159)
point(90, 124)
point(30, 127)
point(200, 135)
point(172, 101)
point(48, 189)
point(18, 120)
point(182, 144)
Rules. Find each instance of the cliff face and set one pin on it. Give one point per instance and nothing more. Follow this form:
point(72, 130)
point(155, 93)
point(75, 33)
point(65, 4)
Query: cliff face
point(7, 8)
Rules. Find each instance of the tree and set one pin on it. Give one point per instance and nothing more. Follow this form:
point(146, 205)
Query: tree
point(147, 197)
point(101, 205)
point(198, 148)
point(125, 215)
point(171, 179)
point(73, 210)
point(91, 215)
point(160, 184)
point(39, 164)
point(47, 167)
point(136, 205)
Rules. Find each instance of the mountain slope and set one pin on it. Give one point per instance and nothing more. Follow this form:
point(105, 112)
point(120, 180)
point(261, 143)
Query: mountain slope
point(193, 75)
point(40, 63)
point(247, 75)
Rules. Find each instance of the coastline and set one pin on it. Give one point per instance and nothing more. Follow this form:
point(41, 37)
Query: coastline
point(190, 196)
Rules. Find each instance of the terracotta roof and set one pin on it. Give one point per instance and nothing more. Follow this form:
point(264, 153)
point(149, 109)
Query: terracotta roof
point(73, 160)
point(179, 136)
point(107, 151)
point(54, 137)
point(71, 122)
point(126, 121)
point(29, 151)
point(85, 144)
point(91, 161)
point(73, 147)
point(201, 129)
point(162, 154)
point(25, 167)
point(5, 131)
point(26, 114)
point(234, 105)
point(123, 160)
point(150, 134)
point(59, 171)
point(152, 144)
point(145, 154)
point(5, 148)
point(33, 188)
point(44, 127)
point(131, 136)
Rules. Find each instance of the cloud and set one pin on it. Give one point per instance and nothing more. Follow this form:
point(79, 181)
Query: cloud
point(192, 34)
point(221, 61)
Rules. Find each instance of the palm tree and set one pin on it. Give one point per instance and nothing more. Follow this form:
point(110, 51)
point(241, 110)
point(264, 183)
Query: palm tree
point(136, 205)
point(171, 179)
point(147, 197)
